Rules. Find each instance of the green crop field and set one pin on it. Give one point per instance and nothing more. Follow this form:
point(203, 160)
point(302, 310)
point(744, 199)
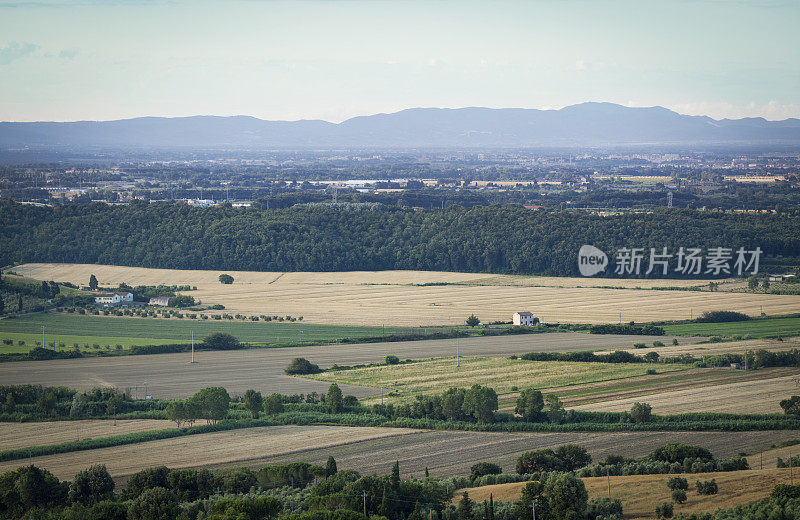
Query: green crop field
point(757, 328)
point(437, 375)
point(109, 330)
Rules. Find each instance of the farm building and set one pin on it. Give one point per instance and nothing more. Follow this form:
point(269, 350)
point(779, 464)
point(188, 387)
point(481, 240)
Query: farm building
point(524, 318)
point(114, 298)
point(159, 301)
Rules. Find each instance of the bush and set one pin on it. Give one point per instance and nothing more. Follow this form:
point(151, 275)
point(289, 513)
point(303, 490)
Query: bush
point(225, 279)
point(709, 487)
point(392, 360)
point(604, 508)
point(640, 345)
point(301, 366)
point(651, 372)
point(679, 496)
point(721, 317)
point(641, 412)
point(664, 510)
point(484, 468)
point(221, 341)
point(677, 483)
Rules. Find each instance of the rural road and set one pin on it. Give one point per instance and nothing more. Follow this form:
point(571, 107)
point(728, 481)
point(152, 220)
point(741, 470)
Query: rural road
point(170, 375)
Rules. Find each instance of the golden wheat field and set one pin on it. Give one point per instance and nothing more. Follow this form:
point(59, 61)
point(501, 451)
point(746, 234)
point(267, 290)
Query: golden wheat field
point(640, 494)
point(401, 298)
point(205, 449)
point(21, 435)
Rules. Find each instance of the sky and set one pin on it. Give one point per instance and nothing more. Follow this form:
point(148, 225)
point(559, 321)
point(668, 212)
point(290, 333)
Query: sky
point(64, 60)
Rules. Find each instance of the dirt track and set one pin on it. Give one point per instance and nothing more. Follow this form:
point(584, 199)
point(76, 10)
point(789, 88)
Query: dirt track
point(170, 375)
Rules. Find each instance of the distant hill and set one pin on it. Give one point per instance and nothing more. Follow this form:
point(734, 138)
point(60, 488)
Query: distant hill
point(586, 124)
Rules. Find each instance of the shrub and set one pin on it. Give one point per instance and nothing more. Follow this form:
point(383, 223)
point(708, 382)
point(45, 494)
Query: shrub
point(225, 279)
point(679, 496)
point(301, 366)
point(604, 508)
point(709, 487)
point(221, 341)
point(664, 510)
point(641, 412)
point(721, 317)
point(392, 360)
point(484, 468)
point(651, 372)
point(657, 343)
point(640, 345)
point(677, 483)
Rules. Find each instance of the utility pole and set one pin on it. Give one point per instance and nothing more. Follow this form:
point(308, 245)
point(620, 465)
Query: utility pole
point(364, 496)
point(533, 508)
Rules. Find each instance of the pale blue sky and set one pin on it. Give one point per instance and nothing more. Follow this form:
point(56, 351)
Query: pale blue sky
point(333, 59)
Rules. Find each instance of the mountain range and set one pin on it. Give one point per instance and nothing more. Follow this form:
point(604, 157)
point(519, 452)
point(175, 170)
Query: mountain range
point(586, 124)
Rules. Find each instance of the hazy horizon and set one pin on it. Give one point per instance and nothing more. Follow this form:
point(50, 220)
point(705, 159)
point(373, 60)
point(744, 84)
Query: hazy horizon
point(66, 60)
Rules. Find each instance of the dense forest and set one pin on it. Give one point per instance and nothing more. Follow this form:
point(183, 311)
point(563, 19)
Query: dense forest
point(325, 237)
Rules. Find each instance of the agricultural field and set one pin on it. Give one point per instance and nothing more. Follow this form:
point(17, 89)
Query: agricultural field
point(22, 435)
point(502, 374)
point(415, 298)
point(206, 449)
point(99, 331)
point(447, 453)
point(758, 396)
point(641, 493)
point(171, 375)
point(757, 328)
point(699, 349)
point(663, 382)
point(373, 450)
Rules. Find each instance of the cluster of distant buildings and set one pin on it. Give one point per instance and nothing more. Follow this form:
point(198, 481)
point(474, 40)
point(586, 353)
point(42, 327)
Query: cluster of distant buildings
point(125, 299)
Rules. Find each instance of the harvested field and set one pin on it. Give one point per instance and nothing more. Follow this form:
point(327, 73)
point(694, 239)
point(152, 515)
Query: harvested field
point(437, 375)
point(23, 435)
point(663, 382)
point(641, 493)
point(759, 396)
point(401, 298)
point(768, 459)
point(170, 375)
point(447, 453)
point(206, 449)
point(373, 450)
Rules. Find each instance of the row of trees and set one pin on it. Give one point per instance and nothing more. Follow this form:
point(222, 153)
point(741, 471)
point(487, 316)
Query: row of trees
point(501, 239)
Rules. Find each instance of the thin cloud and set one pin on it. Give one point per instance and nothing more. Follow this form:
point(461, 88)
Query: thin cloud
point(68, 54)
point(16, 50)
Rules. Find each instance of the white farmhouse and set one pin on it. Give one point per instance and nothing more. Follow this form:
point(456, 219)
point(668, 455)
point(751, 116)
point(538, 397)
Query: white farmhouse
point(114, 298)
point(524, 318)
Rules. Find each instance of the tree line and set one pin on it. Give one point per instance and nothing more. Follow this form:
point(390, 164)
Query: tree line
point(498, 239)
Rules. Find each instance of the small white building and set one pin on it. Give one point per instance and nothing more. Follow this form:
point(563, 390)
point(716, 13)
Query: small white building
point(114, 298)
point(160, 301)
point(524, 318)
